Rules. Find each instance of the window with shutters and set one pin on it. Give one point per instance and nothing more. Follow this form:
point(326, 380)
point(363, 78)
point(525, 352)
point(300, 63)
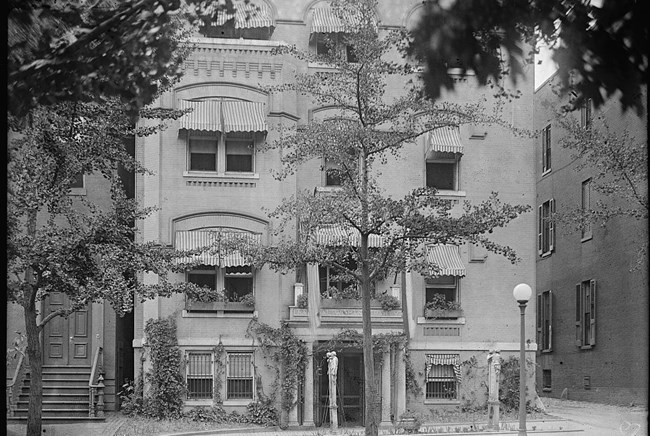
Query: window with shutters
point(545, 321)
point(546, 228)
point(586, 206)
point(239, 380)
point(586, 314)
point(546, 149)
point(199, 375)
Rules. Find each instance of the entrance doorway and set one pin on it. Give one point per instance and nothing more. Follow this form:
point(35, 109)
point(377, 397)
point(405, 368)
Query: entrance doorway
point(349, 386)
point(67, 341)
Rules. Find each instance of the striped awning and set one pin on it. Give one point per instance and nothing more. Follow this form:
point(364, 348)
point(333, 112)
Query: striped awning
point(325, 20)
point(336, 236)
point(248, 16)
point(442, 359)
point(244, 116)
point(447, 257)
point(206, 115)
point(445, 139)
point(211, 243)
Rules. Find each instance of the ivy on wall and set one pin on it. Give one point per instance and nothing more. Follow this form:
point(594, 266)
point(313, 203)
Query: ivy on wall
point(289, 354)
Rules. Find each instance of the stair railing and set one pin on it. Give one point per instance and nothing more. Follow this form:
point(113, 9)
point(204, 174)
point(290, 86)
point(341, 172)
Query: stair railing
point(96, 389)
point(16, 381)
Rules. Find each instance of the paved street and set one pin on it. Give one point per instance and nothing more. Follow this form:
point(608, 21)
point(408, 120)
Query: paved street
point(574, 418)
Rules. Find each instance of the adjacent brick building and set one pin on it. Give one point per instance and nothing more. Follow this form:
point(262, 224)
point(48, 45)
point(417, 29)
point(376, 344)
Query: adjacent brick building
point(593, 316)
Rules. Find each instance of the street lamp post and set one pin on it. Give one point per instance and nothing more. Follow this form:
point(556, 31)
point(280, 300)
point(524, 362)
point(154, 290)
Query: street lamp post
point(522, 293)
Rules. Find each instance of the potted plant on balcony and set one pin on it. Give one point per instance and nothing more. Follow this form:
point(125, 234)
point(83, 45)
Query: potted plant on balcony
point(440, 307)
point(302, 301)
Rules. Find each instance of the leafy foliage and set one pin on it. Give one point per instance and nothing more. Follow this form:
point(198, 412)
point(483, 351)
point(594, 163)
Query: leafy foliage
point(164, 399)
point(440, 304)
point(289, 354)
point(68, 51)
point(509, 384)
point(388, 302)
point(593, 44)
point(303, 301)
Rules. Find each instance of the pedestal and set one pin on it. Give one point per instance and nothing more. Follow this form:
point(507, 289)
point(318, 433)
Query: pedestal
point(493, 415)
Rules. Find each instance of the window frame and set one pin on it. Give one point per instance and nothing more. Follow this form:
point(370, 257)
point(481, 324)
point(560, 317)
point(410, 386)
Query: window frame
point(188, 365)
point(228, 377)
point(221, 276)
point(585, 305)
point(586, 230)
point(546, 149)
point(547, 380)
point(546, 228)
point(221, 141)
point(441, 379)
point(446, 158)
point(545, 321)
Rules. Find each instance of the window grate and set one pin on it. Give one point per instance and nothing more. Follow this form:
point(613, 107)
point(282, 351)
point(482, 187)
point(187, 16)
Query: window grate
point(199, 376)
point(240, 376)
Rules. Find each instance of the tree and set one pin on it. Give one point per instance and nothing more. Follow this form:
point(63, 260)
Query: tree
point(79, 50)
point(368, 129)
point(75, 247)
point(600, 47)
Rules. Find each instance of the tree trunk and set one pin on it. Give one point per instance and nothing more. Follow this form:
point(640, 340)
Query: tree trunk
point(34, 422)
point(34, 350)
point(371, 397)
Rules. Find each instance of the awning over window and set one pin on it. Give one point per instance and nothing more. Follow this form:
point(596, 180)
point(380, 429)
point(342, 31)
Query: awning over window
point(224, 116)
point(248, 16)
point(341, 236)
point(442, 359)
point(244, 116)
point(447, 257)
point(206, 115)
point(211, 242)
point(445, 139)
point(324, 20)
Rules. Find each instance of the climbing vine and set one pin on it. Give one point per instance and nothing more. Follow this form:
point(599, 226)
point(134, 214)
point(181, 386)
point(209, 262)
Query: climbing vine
point(167, 385)
point(219, 370)
point(288, 352)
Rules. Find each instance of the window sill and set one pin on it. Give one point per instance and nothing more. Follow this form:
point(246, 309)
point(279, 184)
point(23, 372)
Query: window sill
point(322, 66)
point(239, 402)
point(77, 191)
point(460, 321)
point(442, 402)
point(546, 389)
point(219, 314)
point(545, 351)
point(226, 175)
point(328, 189)
point(545, 173)
point(587, 238)
point(586, 347)
point(547, 254)
point(449, 193)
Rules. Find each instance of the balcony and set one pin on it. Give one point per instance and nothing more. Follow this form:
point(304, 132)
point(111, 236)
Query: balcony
point(347, 313)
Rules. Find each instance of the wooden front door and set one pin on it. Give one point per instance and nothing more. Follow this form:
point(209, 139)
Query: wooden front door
point(67, 341)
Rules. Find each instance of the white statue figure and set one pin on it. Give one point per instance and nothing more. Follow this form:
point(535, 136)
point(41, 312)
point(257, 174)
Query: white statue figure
point(332, 370)
point(332, 363)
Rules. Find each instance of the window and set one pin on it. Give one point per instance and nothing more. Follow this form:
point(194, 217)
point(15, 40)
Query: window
point(442, 171)
point(232, 152)
point(447, 287)
point(546, 149)
point(586, 114)
point(77, 181)
point(239, 381)
point(327, 44)
point(546, 228)
point(586, 314)
point(334, 282)
point(332, 174)
point(350, 54)
point(199, 375)
point(442, 376)
point(546, 380)
point(203, 154)
point(545, 320)
point(236, 281)
point(239, 152)
point(586, 207)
